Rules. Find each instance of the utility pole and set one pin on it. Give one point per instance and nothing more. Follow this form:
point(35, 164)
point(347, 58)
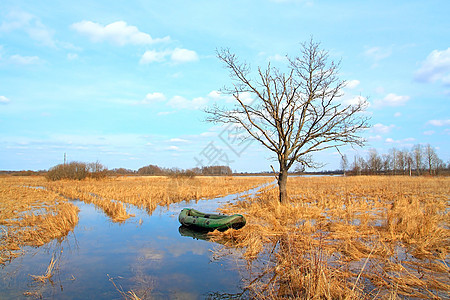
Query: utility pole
point(64, 158)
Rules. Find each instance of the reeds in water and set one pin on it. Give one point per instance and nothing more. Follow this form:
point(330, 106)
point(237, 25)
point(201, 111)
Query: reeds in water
point(31, 216)
point(347, 237)
point(149, 192)
point(48, 274)
point(34, 211)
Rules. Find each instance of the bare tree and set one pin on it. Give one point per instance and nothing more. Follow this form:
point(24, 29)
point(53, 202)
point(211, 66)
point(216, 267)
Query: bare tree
point(432, 159)
point(294, 113)
point(417, 155)
point(393, 154)
point(374, 161)
point(386, 162)
point(402, 160)
point(344, 162)
point(358, 165)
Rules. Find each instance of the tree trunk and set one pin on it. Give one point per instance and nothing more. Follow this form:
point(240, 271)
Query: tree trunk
point(282, 181)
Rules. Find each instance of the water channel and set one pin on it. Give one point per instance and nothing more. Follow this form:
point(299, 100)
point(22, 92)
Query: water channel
point(147, 254)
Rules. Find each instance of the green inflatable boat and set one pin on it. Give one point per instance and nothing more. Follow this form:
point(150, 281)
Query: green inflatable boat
point(194, 218)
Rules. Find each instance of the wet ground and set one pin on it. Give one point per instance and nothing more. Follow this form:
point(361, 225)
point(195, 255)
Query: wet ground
point(149, 255)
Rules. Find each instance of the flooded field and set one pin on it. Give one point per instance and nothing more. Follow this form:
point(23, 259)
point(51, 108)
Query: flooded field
point(336, 237)
point(106, 257)
point(367, 237)
point(149, 255)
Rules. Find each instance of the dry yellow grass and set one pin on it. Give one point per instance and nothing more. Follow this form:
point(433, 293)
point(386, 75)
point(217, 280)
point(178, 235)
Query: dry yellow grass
point(337, 237)
point(31, 216)
point(130, 295)
point(149, 192)
point(48, 273)
point(348, 237)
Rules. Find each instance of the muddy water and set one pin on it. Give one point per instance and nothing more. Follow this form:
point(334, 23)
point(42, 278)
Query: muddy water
point(149, 255)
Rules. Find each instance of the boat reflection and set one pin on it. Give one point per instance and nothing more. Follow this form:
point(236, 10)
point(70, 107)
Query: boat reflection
point(196, 234)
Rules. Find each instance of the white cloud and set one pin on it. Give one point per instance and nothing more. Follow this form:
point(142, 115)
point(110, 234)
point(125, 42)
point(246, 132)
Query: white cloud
point(378, 53)
point(165, 113)
point(118, 33)
point(408, 142)
point(151, 56)
point(436, 67)
point(383, 129)
point(380, 90)
point(4, 100)
point(208, 134)
point(72, 56)
point(352, 84)
point(183, 56)
point(218, 96)
point(154, 98)
point(24, 60)
point(180, 102)
point(354, 100)
point(42, 34)
point(215, 95)
point(30, 24)
point(392, 100)
point(173, 148)
point(429, 132)
point(246, 97)
point(177, 56)
point(150, 98)
point(375, 138)
point(178, 140)
point(177, 75)
point(398, 114)
point(278, 58)
point(439, 122)
point(16, 20)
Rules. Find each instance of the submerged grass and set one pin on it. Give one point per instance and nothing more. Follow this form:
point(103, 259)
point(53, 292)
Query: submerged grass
point(48, 274)
point(347, 238)
point(130, 295)
point(31, 216)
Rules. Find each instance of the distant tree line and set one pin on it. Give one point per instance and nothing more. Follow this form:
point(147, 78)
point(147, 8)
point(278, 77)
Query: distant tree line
point(24, 173)
point(207, 170)
point(419, 160)
point(80, 170)
point(77, 171)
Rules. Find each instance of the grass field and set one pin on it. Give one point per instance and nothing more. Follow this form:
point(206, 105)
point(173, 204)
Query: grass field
point(337, 237)
point(347, 237)
point(31, 216)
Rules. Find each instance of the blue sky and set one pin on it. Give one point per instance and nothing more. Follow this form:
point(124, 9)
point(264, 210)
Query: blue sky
point(125, 82)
